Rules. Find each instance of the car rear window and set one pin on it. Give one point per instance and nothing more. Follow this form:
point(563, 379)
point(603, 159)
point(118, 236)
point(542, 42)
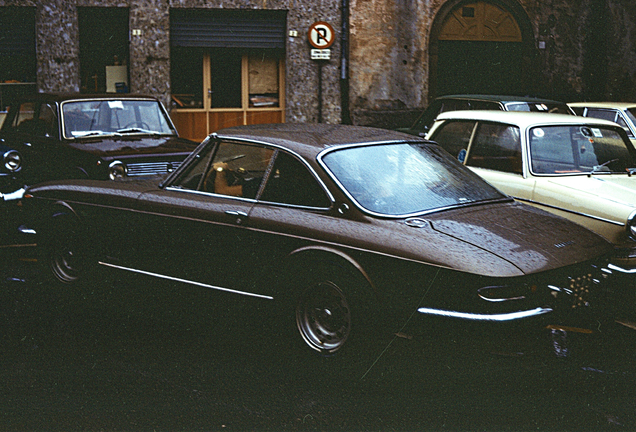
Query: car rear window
point(406, 178)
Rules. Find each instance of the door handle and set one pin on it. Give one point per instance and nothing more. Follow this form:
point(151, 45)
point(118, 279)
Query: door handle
point(240, 215)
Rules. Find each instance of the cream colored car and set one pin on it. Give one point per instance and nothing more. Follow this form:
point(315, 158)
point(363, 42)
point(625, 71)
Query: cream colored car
point(581, 168)
point(623, 113)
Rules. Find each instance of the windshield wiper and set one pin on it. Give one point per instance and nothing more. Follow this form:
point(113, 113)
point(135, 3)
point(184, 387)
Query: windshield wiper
point(599, 168)
point(80, 134)
point(137, 130)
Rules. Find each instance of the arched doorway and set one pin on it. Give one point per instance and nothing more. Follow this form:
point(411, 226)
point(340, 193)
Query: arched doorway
point(480, 47)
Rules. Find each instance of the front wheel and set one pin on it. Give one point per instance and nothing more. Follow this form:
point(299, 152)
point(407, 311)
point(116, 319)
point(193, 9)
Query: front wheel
point(323, 317)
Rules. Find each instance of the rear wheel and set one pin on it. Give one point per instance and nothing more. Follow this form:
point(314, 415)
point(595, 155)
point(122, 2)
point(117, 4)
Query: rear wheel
point(65, 260)
point(65, 253)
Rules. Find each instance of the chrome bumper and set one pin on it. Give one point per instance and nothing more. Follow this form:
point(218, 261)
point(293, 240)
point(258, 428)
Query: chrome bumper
point(12, 196)
point(486, 317)
point(620, 269)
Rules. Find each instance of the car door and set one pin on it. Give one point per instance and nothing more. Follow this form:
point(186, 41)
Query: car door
point(495, 153)
point(291, 213)
point(192, 231)
point(492, 150)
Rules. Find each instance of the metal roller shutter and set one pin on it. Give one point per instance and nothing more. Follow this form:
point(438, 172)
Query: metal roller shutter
point(215, 28)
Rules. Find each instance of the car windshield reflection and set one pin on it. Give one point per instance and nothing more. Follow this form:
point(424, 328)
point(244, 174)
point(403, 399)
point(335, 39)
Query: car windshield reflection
point(88, 118)
point(405, 179)
point(562, 150)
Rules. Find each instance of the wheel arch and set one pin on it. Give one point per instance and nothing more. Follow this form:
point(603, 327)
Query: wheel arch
point(308, 257)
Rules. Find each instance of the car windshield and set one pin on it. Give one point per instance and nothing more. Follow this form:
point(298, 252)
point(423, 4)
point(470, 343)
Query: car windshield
point(405, 179)
point(568, 149)
point(547, 107)
point(88, 118)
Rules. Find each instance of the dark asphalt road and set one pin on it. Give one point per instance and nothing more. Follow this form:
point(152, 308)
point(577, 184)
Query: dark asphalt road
point(136, 356)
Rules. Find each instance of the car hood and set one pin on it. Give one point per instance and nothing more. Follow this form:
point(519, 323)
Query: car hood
point(133, 145)
point(617, 189)
point(502, 240)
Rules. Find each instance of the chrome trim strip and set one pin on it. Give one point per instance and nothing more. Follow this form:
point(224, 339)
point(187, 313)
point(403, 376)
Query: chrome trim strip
point(486, 317)
point(174, 279)
point(570, 211)
point(629, 224)
point(621, 269)
point(208, 194)
point(15, 195)
point(26, 230)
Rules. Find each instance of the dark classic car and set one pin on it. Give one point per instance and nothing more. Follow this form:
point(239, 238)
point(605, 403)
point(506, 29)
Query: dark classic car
point(342, 227)
point(467, 102)
point(57, 136)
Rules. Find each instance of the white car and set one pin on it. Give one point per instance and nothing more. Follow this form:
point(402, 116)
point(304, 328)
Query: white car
point(583, 169)
point(623, 113)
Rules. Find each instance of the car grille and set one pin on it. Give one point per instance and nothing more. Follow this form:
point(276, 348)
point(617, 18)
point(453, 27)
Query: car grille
point(152, 168)
point(581, 288)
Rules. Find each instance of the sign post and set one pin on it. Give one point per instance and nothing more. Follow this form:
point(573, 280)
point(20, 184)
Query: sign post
point(321, 36)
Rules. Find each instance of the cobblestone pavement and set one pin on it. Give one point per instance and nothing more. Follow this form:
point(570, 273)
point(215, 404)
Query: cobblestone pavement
point(141, 356)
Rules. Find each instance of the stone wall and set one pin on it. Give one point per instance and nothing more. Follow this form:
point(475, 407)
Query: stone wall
point(58, 49)
point(587, 51)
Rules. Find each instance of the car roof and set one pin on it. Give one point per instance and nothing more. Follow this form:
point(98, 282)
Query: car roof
point(523, 119)
point(310, 138)
point(498, 98)
point(616, 105)
point(61, 97)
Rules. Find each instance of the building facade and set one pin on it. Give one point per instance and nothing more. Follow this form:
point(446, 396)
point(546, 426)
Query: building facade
point(218, 63)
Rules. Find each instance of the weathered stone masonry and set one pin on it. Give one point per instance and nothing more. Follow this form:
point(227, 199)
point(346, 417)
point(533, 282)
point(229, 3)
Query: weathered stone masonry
point(587, 51)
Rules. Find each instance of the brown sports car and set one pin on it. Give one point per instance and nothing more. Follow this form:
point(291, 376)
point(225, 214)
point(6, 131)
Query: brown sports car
point(343, 227)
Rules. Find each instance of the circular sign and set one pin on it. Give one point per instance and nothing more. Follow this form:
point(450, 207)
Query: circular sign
point(321, 35)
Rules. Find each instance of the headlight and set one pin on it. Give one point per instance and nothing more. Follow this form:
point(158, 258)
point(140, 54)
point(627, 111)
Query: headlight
point(117, 169)
point(12, 160)
point(631, 226)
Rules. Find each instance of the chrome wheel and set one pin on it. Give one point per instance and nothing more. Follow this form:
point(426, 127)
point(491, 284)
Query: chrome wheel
point(323, 317)
point(64, 262)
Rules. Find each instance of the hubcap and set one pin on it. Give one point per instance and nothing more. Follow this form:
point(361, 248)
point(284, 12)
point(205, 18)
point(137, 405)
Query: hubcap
point(64, 264)
point(324, 318)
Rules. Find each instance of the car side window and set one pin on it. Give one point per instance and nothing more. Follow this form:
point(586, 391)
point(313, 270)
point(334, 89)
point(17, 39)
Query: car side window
point(291, 182)
point(497, 147)
point(454, 105)
point(23, 117)
point(602, 114)
point(47, 121)
point(227, 169)
point(610, 115)
point(454, 137)
point(623, 123)
point(485, 105)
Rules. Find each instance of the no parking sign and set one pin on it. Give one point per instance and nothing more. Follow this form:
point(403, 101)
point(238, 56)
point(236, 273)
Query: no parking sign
point(321, 35)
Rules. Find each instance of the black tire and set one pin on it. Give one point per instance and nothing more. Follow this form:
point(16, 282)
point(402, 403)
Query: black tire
point(337, 329)
point(65, 254)
point(323, 317)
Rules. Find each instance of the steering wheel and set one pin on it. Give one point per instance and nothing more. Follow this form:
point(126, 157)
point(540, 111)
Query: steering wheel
point(140, 124)
point(234, 176)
